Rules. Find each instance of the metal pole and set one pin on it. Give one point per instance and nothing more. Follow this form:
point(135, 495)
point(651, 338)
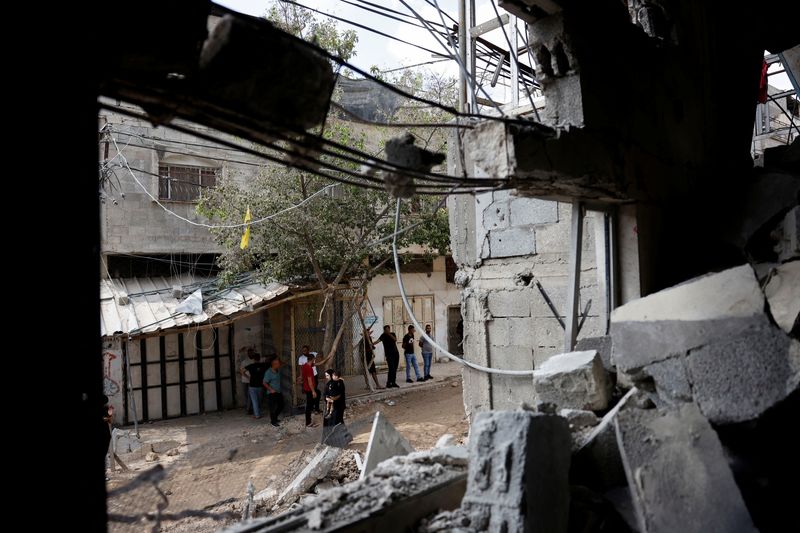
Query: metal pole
point(472, 50)
point(514, 56)
point(576, 241)
point(462, 51)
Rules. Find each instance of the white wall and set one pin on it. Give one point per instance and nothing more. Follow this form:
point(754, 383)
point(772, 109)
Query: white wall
point(444, 295)
point(113, 377)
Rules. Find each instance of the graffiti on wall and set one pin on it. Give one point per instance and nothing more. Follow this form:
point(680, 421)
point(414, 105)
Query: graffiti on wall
point(110, 387)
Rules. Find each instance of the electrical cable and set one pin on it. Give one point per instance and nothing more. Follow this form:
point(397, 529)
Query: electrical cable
point(410, 311)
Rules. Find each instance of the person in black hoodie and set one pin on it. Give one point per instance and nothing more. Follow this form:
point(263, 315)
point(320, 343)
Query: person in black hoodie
point(335, 396)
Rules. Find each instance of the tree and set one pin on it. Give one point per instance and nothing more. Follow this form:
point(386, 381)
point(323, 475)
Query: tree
point(339, 235)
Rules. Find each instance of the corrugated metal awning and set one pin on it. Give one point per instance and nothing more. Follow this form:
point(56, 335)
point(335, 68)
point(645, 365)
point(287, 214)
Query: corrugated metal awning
point(137, 306)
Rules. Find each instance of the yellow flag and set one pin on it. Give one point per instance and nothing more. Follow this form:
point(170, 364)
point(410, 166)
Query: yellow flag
point(246, 237)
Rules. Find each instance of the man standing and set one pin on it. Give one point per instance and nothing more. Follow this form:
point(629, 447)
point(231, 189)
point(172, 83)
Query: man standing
point(272, 382)
point(246, 359)
point(408, 351)
point(304, 352)
point(427, 354)
point(256, 370)
point(392, 355)
point(310, 388)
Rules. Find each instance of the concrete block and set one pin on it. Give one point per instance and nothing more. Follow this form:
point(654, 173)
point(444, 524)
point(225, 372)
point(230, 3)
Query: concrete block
point(783, 295)
point(740, 378)
point(698, 312)
point(509, 303)
point(677, 473)
point(512, 242)
point(554, 238)
point(498, 331)
point(315, 470)
point(518, 473)
point(526, 211)
point(574, 380)
point(384, 442)
point(601, 344)
point(579, 419)
point(520, 331)
point(548, 333)
point(671, 380)
point(496, 216)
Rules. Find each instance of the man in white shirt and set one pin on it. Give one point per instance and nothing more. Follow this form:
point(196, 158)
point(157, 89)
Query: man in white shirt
point(246, 358)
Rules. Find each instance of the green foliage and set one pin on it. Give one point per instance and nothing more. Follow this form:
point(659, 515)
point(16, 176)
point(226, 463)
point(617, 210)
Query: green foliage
point(302, 23)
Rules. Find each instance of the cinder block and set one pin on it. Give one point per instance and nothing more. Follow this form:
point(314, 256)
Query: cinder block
point(518, 473)
point(512, 242)
point(509, 304)
point(496, 216)
point(574, 380)
point(526, 211)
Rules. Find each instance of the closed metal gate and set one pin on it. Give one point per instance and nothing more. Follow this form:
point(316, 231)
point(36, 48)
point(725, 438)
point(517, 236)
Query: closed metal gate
point(180, 374)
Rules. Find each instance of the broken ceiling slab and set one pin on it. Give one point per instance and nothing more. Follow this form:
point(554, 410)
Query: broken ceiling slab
point(315, 470)
point(698, 312)
point(574, 380)
point(783, 295)
point(565, 164)
point(677, 473)
point(519, 465)
point(737, 379)
point(788, 235)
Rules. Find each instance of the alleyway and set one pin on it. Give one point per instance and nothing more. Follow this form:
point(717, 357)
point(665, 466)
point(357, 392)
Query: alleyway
point(216, 454)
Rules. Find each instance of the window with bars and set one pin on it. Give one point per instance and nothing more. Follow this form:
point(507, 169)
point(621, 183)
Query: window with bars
point(184, 183)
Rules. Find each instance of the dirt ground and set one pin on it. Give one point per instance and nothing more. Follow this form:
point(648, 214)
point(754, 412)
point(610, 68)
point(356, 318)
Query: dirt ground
point(208, 460)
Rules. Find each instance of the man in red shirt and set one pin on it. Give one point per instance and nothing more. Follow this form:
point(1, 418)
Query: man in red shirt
point(309, 387)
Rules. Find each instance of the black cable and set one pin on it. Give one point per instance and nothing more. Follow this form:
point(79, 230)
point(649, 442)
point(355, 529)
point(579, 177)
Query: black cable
point(791, 117)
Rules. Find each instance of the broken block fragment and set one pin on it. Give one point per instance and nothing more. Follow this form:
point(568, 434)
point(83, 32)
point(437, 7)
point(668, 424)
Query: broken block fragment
point(677, 473)
point(574, 380)
point(783, 295)
point(518, 473)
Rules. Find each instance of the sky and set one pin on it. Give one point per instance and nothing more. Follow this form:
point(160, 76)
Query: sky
point(377, 50)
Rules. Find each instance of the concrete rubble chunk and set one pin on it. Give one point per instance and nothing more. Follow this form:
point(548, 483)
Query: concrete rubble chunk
point(740, 378)
point(574, 380)
point(671, 380)
point(579, 419)
point(783, 295)
point(445, 441)
point(602, 345)
point(673, 321)
point(315, 470)
point(677, 473)
point(517, 477)
point(596, 462)
point(384, 442)
point(788, 234)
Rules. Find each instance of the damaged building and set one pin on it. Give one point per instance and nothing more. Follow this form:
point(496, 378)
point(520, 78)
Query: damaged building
point(630, 299)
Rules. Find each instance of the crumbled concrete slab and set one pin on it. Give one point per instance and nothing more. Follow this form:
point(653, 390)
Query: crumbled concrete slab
point(783, 295)
point(677, 472)
point(788, 234)
point(603, 347)
point(519, 464)
point(384, 442)
point(740, 378)
point(574, 380)
point(673, 321)
point(445, 441)
point(578, 419)
point(315, 470)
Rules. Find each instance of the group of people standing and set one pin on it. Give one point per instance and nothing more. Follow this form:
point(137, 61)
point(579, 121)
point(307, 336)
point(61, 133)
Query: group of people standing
point(389, 341)
point(258, 376)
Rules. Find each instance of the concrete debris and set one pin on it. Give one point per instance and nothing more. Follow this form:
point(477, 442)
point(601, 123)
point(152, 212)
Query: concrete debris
point(151, 456)
point(579, 419)
point(671, 381)
point(390, 403)
point(677, 472)
point(445, 441)
point(519, 464)
point(673, 321)
point(596, 462)
point(337, 435)
point(164, 446)
point(575, 380)
point(603, 347)
point(315, 470)
point(384, 442)
point(173, 452)
point(401, 151)
point(783, 295)
point(740, 378)
point(324, 485)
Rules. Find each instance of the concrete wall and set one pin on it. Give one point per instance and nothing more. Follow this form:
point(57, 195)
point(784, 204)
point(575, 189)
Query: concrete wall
point(113, 382)
point(135, 223)
point(444, 295)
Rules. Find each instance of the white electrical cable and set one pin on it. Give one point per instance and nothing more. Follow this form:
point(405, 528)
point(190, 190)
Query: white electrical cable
point(201, 224)
point(474, 366)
